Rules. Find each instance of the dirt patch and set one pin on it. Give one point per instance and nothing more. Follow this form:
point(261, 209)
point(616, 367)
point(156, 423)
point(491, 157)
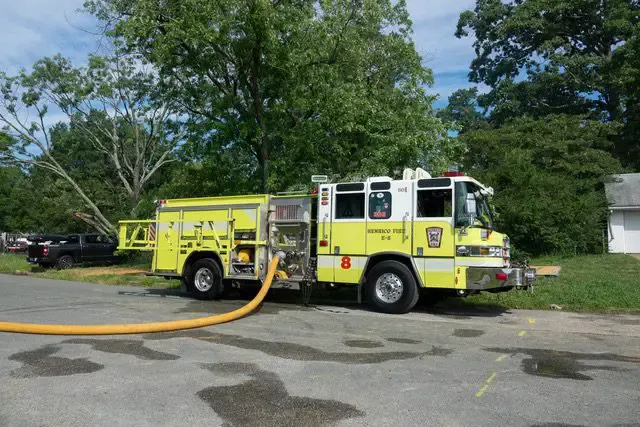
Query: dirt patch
point(130, 347)
point(41, 362)
point(467, 333)
point(557, 425)
point(291, 351)
point(403, 340)
point(563, 364)
point(263, 400)
point(621, 320)
point(104, 271)
point(363, 344)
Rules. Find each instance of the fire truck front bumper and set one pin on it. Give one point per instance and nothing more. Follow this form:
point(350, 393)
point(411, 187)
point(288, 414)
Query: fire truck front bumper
point(496, 279)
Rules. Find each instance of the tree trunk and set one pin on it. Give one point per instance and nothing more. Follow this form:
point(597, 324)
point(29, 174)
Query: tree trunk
point(99, 217)
point(264, 154)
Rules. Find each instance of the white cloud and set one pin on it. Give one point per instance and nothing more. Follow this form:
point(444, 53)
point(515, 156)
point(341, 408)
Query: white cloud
point(434, 25)
point(31, 29)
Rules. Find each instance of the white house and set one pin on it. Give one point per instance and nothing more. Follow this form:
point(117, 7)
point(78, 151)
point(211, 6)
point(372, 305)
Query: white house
point(623, 195)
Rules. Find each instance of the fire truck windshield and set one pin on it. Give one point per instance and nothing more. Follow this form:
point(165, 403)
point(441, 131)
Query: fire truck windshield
point(472, 207)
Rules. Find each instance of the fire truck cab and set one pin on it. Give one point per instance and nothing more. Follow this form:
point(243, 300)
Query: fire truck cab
point(390, 238)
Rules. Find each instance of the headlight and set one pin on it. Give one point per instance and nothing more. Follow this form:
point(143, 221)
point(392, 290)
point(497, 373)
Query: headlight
point(496, 251)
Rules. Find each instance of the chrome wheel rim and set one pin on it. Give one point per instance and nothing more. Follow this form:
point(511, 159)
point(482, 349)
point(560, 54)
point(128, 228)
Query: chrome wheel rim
point(203, 280)
point(65, 263)
point(389, 288)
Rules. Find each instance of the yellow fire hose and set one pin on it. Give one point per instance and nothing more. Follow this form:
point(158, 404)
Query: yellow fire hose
point(139, 328)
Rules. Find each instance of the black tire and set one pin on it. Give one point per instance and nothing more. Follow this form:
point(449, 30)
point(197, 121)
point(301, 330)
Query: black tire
point(398, 274)
point(65, 262)
point(205, 279)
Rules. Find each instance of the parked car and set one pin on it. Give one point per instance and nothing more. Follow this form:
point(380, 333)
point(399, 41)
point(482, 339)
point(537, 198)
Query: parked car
point(65, 251)
point(18, 245)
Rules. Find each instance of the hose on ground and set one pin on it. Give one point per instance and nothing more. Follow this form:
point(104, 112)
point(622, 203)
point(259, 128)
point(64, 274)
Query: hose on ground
point(140, 328)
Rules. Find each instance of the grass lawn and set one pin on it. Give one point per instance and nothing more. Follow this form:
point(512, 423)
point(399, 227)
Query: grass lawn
point(130, 272)
point(591, 283)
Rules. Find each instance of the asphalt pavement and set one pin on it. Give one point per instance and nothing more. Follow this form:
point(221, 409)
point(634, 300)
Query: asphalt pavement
point(327, 364)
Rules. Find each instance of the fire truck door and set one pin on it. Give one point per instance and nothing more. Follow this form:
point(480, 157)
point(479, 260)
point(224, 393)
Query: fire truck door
point(168, 238)
point(389, 217)
point(433, 232)
point(348, 232)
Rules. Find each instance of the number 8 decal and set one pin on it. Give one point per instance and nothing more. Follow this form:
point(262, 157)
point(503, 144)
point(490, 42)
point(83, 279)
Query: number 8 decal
point(346, 263)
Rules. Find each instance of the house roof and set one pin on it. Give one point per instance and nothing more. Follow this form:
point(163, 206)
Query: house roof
point(623, 190)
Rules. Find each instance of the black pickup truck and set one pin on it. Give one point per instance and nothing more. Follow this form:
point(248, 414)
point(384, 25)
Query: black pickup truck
point(65, 251)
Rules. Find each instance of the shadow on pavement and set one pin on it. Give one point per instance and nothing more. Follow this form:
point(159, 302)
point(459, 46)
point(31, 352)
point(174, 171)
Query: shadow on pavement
point(332, 301)
point(156, 292)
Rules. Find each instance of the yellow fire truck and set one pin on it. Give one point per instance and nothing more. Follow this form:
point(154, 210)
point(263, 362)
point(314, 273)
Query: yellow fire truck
point(390, 238)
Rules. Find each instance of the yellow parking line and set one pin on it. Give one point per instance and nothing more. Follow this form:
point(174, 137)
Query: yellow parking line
point(491, 378)
point(482, 390)
point(501, 358)
point(522, 333)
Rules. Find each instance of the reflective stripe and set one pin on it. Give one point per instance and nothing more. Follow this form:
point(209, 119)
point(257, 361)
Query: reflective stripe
point(438, 264)
point(325, 261)
point(475, 262)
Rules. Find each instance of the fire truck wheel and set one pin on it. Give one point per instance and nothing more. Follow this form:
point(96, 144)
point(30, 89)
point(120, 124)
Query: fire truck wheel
point(205, 280)
point(391, 288)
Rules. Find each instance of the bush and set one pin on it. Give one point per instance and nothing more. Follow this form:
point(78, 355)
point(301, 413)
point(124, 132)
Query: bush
point(548, 177)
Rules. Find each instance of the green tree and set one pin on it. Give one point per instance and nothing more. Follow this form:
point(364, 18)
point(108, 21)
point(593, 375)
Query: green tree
point(463, 111)
point(9, 179)
point(37, 200)
point(116, 106)
point(544, 57)
point(289, 88)
point(548, 175)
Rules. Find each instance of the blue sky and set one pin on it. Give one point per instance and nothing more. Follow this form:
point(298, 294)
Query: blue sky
point(31, 29)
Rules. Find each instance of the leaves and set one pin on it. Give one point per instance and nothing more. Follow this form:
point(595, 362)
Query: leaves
point(544, 57)
point(548, 177)
point(292, 87)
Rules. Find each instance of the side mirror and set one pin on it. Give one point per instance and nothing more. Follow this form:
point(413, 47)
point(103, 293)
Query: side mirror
point(487, 192)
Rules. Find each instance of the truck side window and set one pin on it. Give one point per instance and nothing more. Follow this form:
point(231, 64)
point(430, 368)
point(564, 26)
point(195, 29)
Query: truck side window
point(434, 203)
point(91, 239)
point(349, 206)
point(380, 205)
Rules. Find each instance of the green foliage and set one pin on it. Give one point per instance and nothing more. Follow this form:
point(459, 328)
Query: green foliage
point(548, 177)
point(463, 111)
point(560, 114)
point(122, 131)
point(282, 90)
point(544, 57)
point(10, 263)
